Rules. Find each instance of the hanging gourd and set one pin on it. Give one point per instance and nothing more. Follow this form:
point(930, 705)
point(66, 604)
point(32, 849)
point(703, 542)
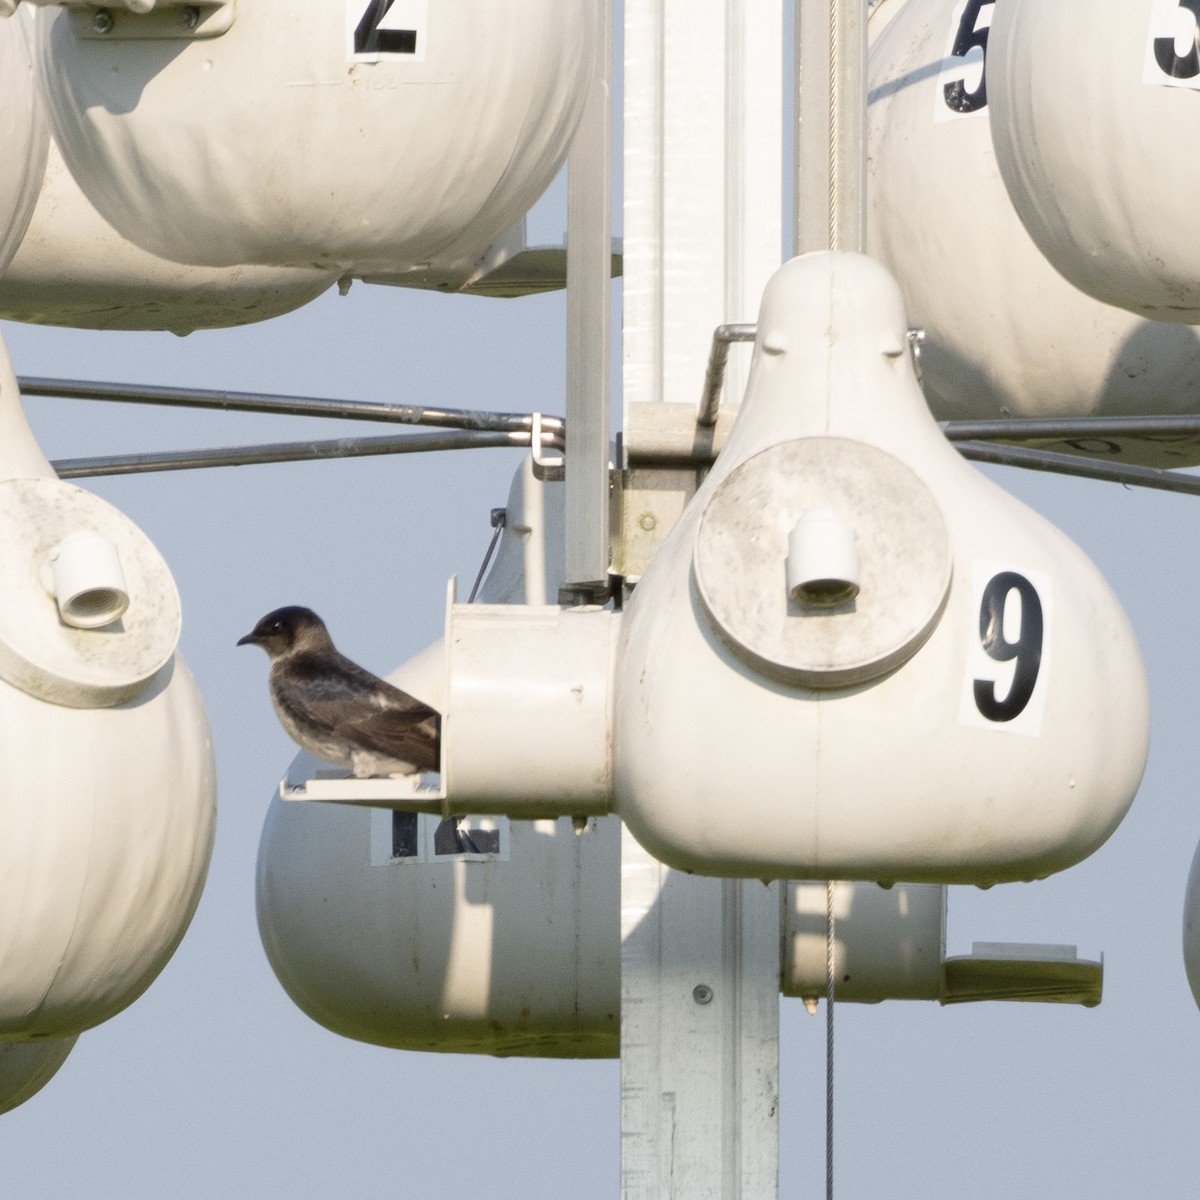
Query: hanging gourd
point(1005, 333)
point(108, 803)
point(916, 685)
point(1094, 104)
point(24, 134)
point(332, 134)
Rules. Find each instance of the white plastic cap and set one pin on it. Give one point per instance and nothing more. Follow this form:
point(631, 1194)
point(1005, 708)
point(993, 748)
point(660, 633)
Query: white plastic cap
point(822, 560)
point(86, 580)
point(71, 564)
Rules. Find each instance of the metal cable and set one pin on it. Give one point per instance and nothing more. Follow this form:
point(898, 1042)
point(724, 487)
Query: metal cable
point(829, 995)
point(499, 520)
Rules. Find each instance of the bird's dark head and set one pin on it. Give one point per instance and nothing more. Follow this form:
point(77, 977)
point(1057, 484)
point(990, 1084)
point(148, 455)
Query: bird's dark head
point(288, 630)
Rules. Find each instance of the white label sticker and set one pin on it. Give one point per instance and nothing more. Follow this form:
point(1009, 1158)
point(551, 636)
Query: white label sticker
point(380, 30)
point(962, 81)
point(1172, 56)
point(403, 837)
point(1008, 658)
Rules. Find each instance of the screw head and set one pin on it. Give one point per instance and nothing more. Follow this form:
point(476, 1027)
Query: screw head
point(702, 993)
point(102, 20)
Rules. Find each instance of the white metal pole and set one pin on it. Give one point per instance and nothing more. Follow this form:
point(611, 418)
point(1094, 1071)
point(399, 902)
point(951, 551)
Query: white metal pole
point(699, 1034)
point(703, 233)
point(589, 274)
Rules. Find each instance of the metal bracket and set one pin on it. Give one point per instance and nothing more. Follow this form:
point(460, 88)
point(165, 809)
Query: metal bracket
point(132, 21)
point(408, 793)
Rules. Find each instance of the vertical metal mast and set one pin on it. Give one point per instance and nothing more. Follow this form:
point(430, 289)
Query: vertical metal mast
point(703, 230)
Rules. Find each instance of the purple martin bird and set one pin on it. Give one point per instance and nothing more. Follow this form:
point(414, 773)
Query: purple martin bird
point(337, 710)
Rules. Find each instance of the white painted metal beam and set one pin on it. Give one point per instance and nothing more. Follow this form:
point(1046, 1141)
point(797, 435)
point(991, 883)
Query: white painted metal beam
point(589, 272)
point(699, 1034)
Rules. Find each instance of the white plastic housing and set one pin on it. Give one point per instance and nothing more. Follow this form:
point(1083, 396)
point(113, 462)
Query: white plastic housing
point(24, 134)
point(889, 942)
point(957, 722)
point(1005, 333)
point(365, 154)
point(109, 817)
point(515, 951)
point(529, 709)
point(1091, 156)
point(108, 812)
point(72, 268)
point(26, 1067)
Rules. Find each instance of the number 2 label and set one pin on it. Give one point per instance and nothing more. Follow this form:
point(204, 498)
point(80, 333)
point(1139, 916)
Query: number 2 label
point(386, 29)
point(1007, 660)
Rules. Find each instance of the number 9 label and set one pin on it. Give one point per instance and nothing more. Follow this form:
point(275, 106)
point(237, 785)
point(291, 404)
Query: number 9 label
point(1004, 683)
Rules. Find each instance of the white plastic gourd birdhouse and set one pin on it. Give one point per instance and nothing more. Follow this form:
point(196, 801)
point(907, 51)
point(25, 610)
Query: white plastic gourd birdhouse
point(108, 796)
point(975, 712)
point(510, 942)
point(73, 268)
point(382, 136)
point(1090, 152)
point(1005, 333)
point(24, 135)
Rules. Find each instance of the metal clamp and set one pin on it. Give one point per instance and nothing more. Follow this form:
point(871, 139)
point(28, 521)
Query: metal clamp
point(714, 375)
point(546, 468)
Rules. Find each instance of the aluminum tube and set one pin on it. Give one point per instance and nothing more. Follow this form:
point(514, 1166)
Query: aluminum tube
point(714, 375)
point(1085, 468)
point(295, 406)
point(274, 452)
point(1063, 428)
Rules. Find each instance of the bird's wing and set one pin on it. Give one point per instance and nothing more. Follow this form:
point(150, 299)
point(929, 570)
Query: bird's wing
point(333, 693)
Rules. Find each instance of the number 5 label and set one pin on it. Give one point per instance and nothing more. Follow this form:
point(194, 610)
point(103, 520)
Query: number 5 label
point(1007, 659)
point(962, 81)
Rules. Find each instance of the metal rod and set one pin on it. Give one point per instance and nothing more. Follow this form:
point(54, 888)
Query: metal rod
point(499, 521)
point(714, 376)
point(293, 406)
point(1085, 468)
point(275, 452)
point(1069, 428)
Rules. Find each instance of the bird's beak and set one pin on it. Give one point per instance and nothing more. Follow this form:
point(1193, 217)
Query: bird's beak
point(248, 640)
